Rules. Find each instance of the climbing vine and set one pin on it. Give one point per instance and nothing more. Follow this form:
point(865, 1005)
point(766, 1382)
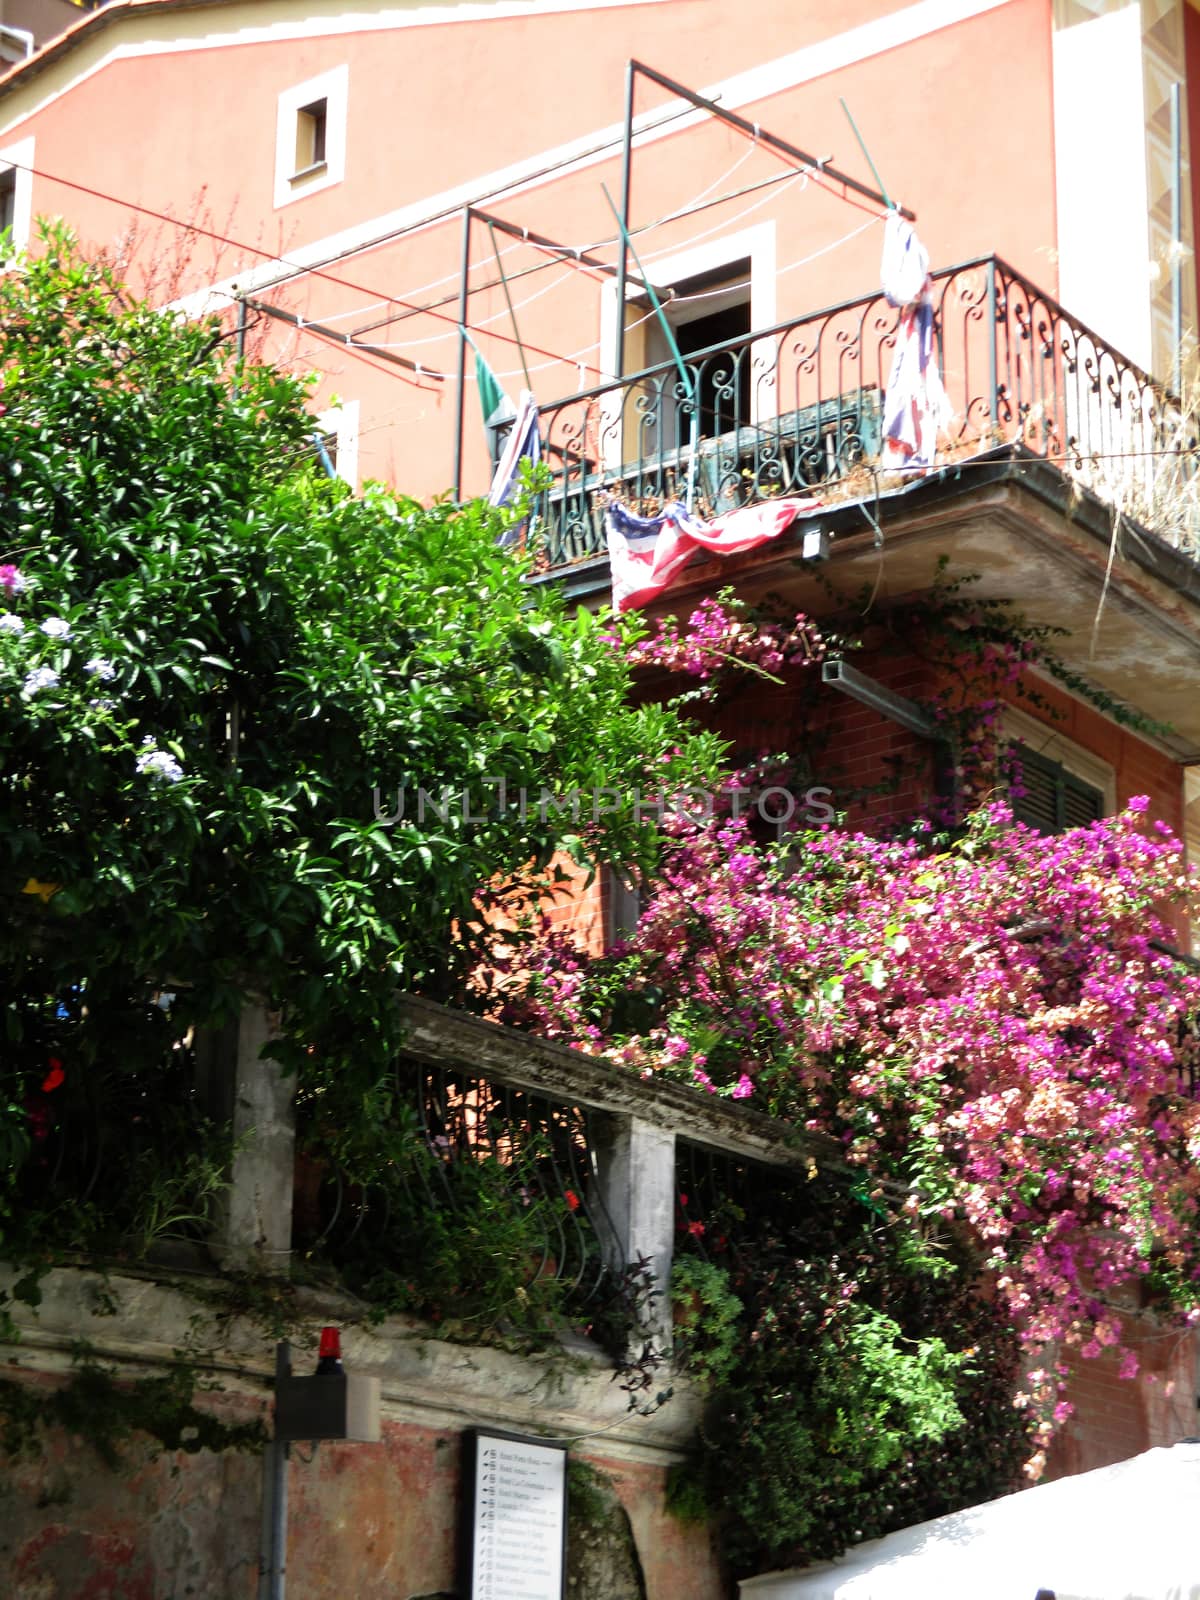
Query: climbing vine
point(106, 1412)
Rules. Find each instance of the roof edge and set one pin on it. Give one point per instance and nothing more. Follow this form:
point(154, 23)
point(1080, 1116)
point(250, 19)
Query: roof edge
point(89, 25)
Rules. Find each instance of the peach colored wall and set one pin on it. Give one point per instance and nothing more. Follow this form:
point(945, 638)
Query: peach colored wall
point(960, 123)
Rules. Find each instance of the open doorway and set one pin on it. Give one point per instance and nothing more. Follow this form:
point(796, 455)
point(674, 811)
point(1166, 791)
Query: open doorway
point(707, 310)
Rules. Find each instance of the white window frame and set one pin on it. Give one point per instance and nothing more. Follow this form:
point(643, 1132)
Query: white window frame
point(341, 421)
point(1045, 740)
point(758, 246)
point(334, 88)
point(19, 157)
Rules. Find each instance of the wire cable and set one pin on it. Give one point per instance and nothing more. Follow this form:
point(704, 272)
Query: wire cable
point(601, 244)
point(258, 250)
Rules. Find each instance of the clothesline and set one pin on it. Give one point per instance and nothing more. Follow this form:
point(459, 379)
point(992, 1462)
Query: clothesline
point(575, 357)
point(591, 248)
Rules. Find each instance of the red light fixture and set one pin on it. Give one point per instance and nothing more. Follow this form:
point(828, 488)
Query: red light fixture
point(329, 1352)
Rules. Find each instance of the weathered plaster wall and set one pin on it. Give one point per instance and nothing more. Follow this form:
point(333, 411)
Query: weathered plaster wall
point(160, 1528)
point(373, 1522)
point(367, 1521)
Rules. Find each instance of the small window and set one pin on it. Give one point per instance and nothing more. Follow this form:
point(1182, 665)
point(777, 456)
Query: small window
point(311, 121)
point(8, 199)
point(1053, 799)
point(310, 136)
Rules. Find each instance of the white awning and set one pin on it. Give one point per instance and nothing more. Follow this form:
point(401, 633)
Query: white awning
point(1126, 1532)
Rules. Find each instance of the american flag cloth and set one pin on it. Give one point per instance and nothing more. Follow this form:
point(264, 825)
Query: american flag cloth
point(524, 443)
point(646, 553)
point(915, 404)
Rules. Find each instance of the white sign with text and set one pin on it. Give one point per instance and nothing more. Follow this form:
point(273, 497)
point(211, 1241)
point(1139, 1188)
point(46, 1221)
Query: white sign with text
point(519, 1529)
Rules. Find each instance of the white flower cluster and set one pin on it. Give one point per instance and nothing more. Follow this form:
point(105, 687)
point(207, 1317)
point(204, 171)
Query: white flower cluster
point(152, 762)
point(39, 678)
point(158, 763)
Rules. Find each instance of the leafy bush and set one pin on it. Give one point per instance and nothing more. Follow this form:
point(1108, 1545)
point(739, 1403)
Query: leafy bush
point(863, 1385)
point(216, 667)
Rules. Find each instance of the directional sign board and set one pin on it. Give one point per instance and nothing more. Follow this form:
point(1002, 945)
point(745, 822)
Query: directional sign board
point(517, 1517)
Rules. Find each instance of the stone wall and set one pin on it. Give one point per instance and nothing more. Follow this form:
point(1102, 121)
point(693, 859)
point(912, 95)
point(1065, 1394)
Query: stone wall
point(367, 1521)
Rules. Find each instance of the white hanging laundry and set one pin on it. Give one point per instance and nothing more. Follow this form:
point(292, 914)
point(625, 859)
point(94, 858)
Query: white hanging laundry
point(915, 404)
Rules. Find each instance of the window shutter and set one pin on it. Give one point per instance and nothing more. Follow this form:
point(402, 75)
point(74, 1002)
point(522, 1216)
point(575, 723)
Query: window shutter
point(1081, 803)
point(1053, 799)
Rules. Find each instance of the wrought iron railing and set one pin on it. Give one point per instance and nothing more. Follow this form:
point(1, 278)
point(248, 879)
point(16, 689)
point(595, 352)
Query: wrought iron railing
point(123, 1162)
point(796, 409)
point(534, 1155)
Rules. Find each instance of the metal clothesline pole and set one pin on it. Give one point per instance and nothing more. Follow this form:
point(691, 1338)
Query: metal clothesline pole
point(512, 315)
point(463, 299)
point(566, 252)
point(763, 136)
point(623, 219)
point(322, 331)
point(686, 378)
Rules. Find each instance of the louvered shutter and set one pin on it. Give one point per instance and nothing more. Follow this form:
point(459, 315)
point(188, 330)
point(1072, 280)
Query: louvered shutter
point(1054, 799)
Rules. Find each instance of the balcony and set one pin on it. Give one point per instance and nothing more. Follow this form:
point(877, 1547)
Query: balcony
point(795, 409)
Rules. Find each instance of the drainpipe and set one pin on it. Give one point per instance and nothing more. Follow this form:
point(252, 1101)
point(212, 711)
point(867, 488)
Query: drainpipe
point(21, 35)
point(272, 1564)
point(1176, 242)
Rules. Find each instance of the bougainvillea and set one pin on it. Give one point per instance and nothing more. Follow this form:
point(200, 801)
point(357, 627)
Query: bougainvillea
point(720, 636)
point(999, 1035)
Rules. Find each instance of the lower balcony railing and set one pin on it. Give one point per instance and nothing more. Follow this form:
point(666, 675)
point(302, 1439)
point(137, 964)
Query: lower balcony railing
point(796, 409)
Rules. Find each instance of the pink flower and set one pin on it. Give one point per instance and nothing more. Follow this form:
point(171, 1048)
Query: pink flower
point(742, 1088)
point(11, 579)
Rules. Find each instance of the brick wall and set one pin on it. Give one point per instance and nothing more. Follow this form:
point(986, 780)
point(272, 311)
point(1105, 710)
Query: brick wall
point(1119, 1417)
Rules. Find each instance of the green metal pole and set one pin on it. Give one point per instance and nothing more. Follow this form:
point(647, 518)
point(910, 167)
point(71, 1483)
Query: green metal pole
point(508, 302)
point(862, 144)
point(687, 379)
point(689, 383)
point(626, 183)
